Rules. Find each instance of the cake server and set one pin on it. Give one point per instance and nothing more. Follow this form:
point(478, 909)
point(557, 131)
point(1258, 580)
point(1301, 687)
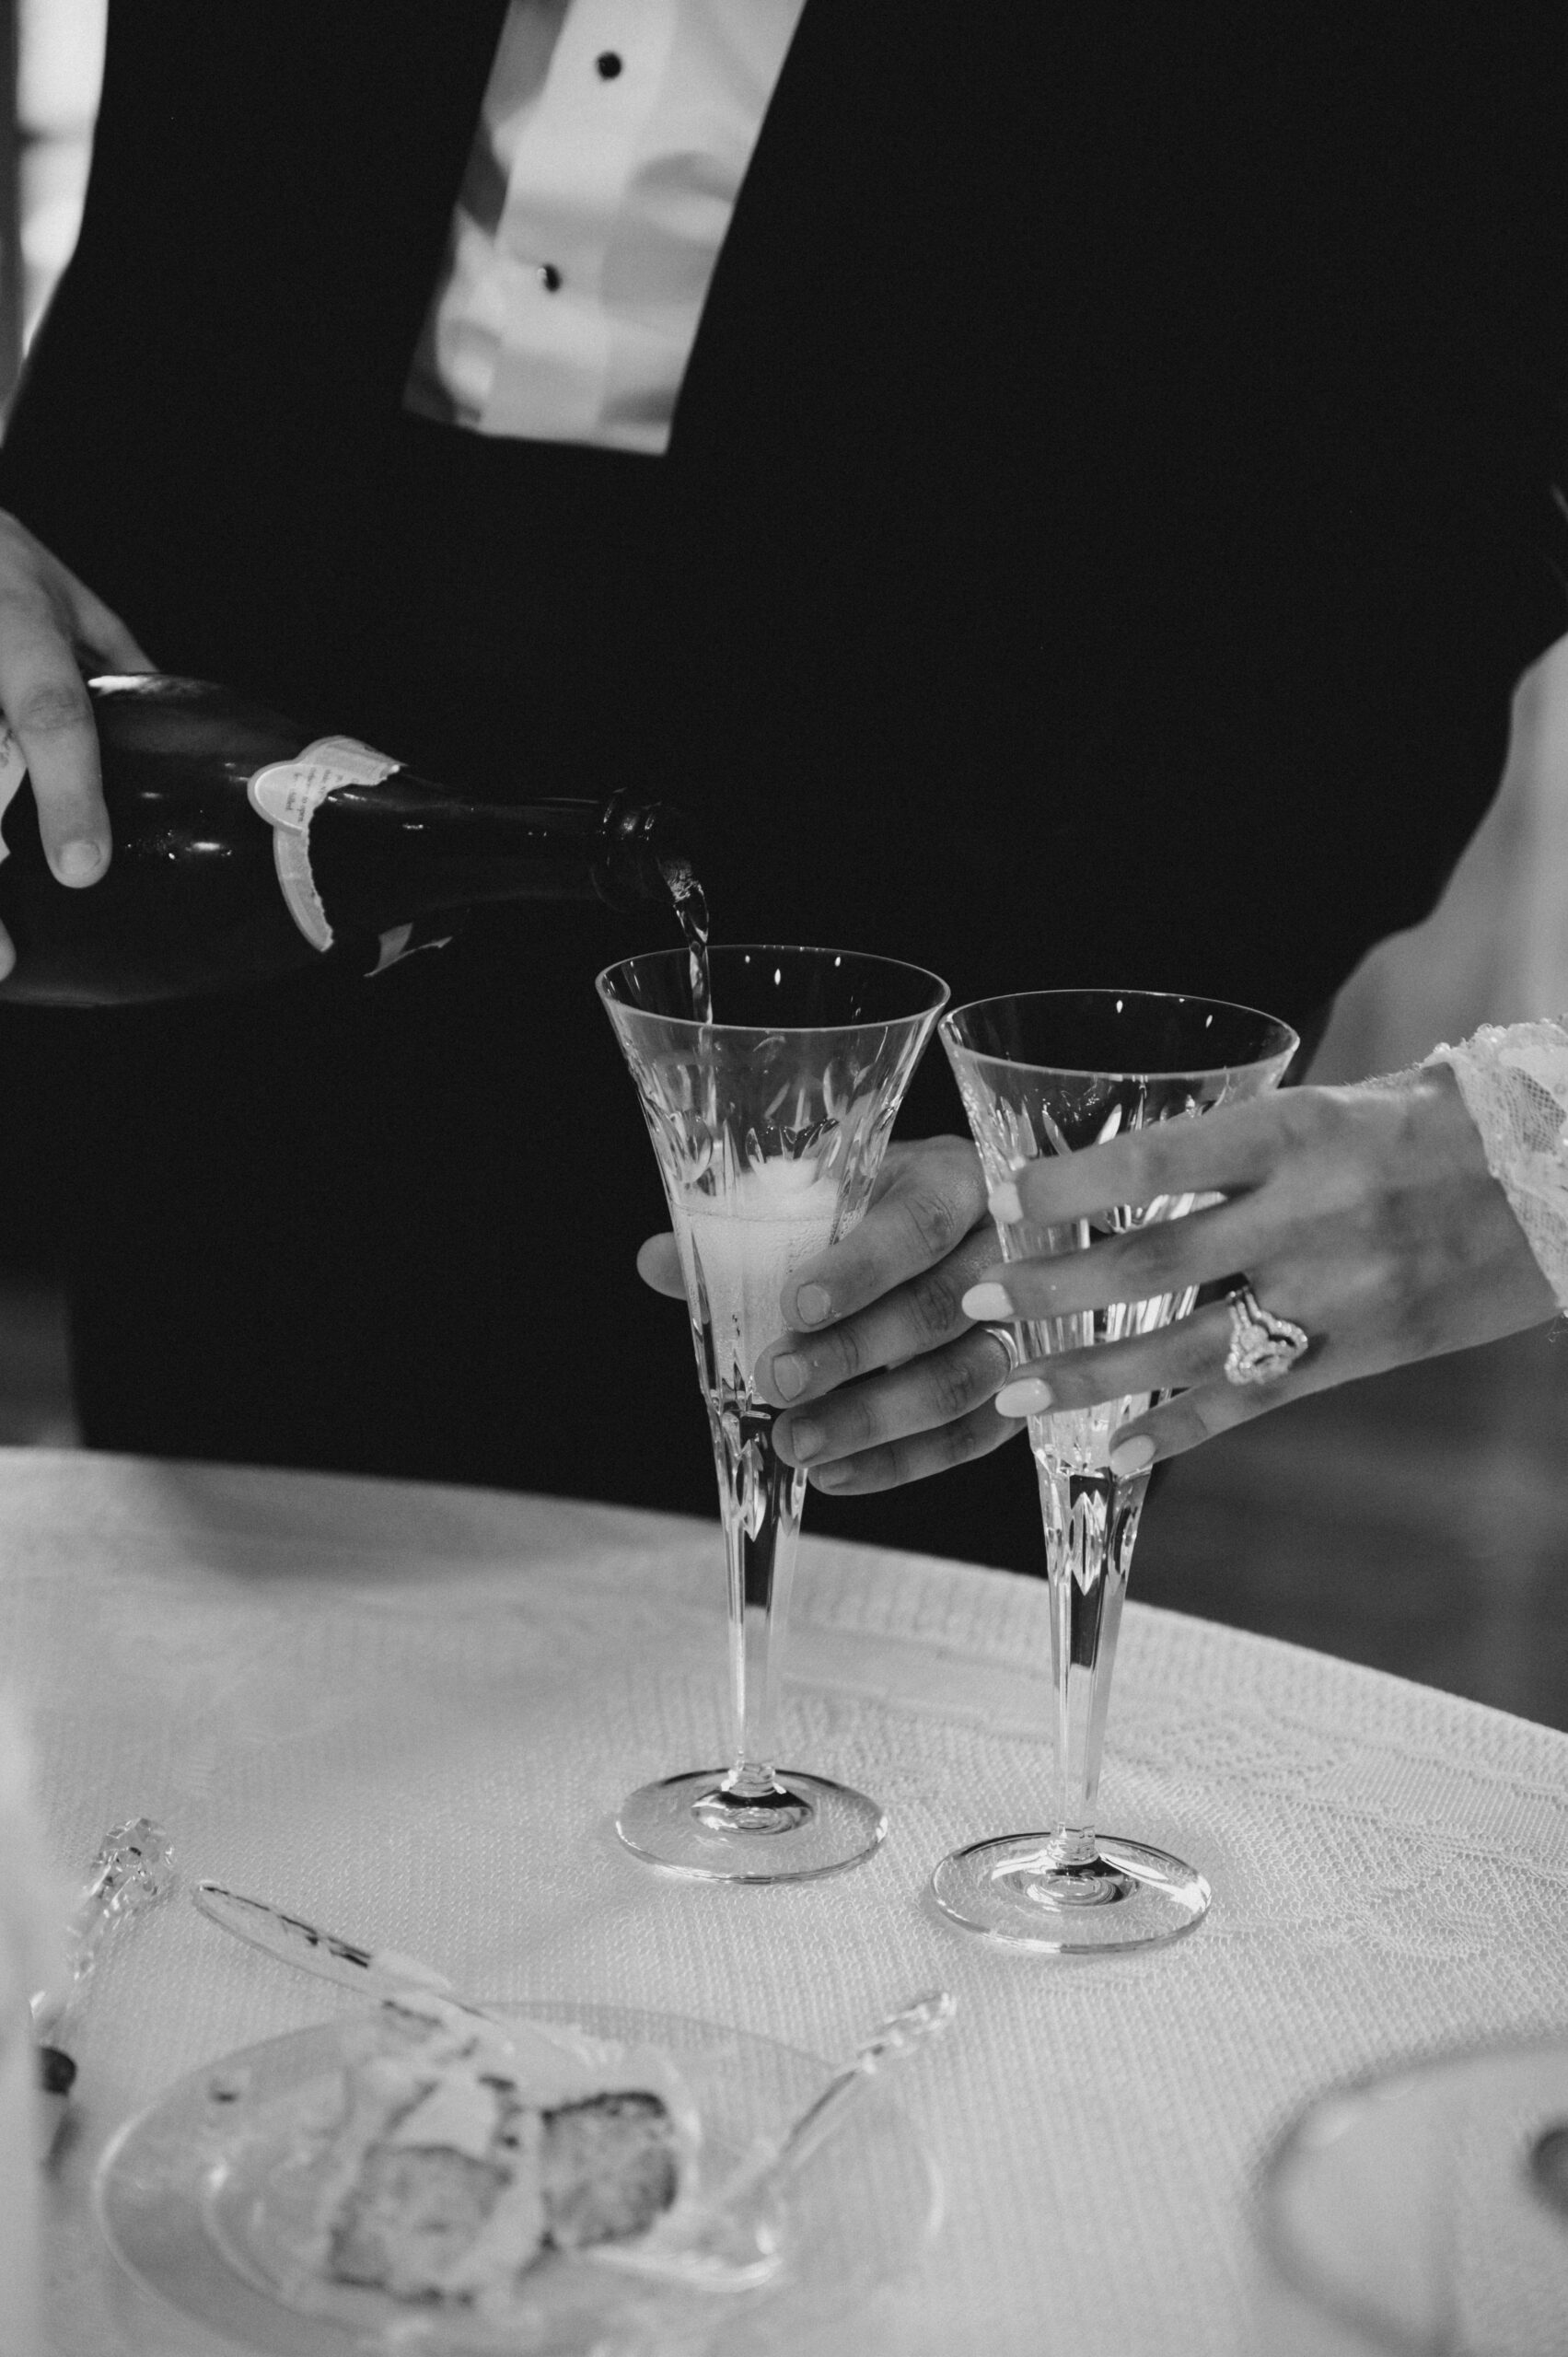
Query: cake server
point(729, 2242)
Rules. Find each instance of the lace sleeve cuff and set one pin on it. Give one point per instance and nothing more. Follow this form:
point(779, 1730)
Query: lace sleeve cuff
point(1514, 1085)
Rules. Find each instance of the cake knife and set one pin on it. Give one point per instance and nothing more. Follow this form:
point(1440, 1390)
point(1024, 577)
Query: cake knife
point(375, 1972)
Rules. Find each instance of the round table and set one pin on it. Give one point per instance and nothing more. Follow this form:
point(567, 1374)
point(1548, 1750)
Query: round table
point(409, 1713)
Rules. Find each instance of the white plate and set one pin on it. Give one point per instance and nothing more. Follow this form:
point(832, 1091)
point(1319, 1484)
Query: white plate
point(1402, 2215)
point(194, 2194)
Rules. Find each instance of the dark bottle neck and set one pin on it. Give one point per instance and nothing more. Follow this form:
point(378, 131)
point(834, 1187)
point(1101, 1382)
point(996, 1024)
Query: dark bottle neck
point(384, 854)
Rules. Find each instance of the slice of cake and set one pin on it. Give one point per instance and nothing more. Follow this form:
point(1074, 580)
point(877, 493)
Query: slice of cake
point(466, 2151)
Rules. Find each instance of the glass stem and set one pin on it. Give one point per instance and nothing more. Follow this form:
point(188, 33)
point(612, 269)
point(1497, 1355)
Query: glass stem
point(759, 1503)
point(1091, 1522)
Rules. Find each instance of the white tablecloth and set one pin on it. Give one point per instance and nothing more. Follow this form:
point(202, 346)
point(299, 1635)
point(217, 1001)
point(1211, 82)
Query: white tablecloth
point(410, 1713)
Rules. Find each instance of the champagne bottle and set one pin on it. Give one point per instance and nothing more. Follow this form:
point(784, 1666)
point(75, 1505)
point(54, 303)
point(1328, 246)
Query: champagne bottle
point(243, 852)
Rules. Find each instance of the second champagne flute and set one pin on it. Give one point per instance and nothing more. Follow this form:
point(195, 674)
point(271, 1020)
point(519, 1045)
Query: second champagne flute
point(770, 1126)
point(1046, 1072)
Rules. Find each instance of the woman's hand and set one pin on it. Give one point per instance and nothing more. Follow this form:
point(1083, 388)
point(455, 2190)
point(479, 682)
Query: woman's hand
point(883, 1377)
point(50, 624)
point(1365, 1215)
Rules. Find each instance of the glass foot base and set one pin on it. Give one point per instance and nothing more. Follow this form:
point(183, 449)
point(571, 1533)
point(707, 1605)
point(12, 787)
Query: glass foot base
point(691, 1826)
point(1016, 1892)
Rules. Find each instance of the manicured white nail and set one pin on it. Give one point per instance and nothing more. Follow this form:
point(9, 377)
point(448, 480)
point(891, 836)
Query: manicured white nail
point(1027, 1397)
point(982, 1301)
point(79, 861)
point(1131, 1456)
point(1006, 1208)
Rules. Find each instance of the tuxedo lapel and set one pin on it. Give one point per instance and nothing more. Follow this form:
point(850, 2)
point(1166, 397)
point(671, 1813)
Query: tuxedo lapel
point(358, 140)
point(908, 157)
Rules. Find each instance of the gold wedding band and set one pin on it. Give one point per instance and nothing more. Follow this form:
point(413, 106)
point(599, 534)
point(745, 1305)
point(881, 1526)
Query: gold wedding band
point(1009, 1341)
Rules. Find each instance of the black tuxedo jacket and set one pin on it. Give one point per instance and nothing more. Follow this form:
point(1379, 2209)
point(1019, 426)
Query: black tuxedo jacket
point(1110, 503)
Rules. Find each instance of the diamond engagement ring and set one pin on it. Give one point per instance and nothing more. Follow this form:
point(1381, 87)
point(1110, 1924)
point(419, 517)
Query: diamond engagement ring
point(1262, 1347)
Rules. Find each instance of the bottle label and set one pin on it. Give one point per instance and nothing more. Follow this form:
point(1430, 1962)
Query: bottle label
point(13, 769)
point(287, 794)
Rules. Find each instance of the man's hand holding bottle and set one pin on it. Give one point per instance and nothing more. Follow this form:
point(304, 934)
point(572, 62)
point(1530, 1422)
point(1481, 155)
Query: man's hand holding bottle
point(51, 624)
point(249, 847)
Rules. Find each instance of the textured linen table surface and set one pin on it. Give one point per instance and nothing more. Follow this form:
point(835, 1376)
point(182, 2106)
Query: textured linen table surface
point(410, 1711)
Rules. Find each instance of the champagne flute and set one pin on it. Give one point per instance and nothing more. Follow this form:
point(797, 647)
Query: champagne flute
point(769, 1128)
point(1051, 1072)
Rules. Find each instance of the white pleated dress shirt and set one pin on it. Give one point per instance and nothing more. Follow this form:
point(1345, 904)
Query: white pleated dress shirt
point(612, 141)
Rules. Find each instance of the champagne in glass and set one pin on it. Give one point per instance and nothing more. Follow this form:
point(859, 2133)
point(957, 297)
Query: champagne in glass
point(769, 1128)
point(1052, 1072)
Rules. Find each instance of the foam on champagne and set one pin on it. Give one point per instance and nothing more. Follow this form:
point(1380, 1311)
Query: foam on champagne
point(744, 1245)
